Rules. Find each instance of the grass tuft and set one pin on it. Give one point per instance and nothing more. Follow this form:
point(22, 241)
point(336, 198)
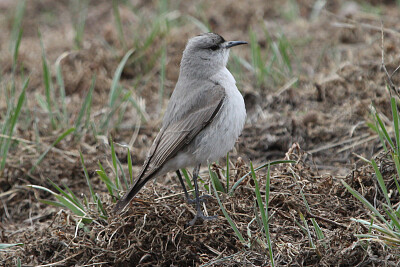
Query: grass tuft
point(79, 10)
point(8, 126)
point(17, 23)
point(118, 24)
point(383, 226)
point(272, 63)
point(48, 85)
point(264, 209)
point(214, 177)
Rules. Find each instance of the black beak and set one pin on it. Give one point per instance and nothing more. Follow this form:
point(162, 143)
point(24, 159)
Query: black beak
point(233, 43)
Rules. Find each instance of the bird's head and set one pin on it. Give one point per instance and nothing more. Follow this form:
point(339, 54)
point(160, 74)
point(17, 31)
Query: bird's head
point(208, 51)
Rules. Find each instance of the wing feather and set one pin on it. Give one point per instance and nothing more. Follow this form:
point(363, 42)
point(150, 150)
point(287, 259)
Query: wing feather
point(175, 136)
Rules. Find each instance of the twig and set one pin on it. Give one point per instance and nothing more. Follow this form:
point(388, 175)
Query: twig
point(61, 261)
point(97, 263)
point(360, 142)
point(332, 145)
point(326, 220)
point(173, 195)
point(287, 86)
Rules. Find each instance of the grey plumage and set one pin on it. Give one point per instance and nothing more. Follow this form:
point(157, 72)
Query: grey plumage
point(204, 117)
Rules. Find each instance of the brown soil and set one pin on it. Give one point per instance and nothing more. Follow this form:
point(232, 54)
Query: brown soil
point(320, 122)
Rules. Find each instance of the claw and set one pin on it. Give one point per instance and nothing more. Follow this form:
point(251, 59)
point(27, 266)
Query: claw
point(202, 199)
point(197, 200)
point(201, 216)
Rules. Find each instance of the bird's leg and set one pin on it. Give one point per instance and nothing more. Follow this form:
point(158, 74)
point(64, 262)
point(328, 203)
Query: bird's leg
point(199, 213)
point(183, 185)
point(188, 199)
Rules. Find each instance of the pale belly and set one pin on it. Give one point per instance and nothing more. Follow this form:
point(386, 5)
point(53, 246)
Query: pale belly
point(220, 136)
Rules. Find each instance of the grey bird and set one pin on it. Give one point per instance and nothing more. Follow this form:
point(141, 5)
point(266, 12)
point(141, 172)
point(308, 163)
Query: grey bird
point(203, 120)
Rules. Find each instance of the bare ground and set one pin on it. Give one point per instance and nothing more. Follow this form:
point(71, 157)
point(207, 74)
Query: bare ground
point(320, 122)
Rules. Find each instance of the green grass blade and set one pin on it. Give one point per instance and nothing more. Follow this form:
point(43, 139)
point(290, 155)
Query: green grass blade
point(100, 206)
point(380, 134)
point(187, 178)
point(256, 169)
point(16, 49)
point(66, 195)
point(88, 121)
point(381, 229)
point(216, 181)
point(45, 201)
point(317, 228)
point(61, 86)
point(51, 203)
point(41, 101)
point(267, 193)
point(162, 75)
point(42, 188)
point(5, 246)
point(395, 221)
point(228, 218)
point(61, 137)
point(263, 213)
point(63, 201)
point(381, 182)
point(284, 50)
point(70, 205)
point(114, 109)
point(87, 177)
point(79, 15)
point(86, 105)
point(17, 23)
point(12, 122)
point(395, 176)
point(109, 184)
point(395, 114)
point(114, 162)
point(267, 188)
point(114, 91)
point(47, 83)
point(384, 131)
point(257, 61)
point(73, 196)
point(123, 173)
point(130, 166)
point(364, 201)
point(306, 229)
point(118, 24)
point(121, 114)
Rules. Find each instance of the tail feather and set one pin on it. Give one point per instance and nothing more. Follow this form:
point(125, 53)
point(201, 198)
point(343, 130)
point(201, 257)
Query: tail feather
point(124, 201)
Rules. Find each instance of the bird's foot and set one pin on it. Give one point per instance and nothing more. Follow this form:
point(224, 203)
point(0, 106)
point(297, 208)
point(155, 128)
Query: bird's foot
point(201, 216)
point(203, 199)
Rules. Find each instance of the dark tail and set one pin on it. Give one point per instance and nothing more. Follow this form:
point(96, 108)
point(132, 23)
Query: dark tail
point(124, 201)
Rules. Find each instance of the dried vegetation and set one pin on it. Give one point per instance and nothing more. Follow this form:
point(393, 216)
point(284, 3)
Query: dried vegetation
point(313, 108)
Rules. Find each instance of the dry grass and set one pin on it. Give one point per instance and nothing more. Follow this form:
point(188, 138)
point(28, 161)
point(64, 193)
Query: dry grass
point(322, 104)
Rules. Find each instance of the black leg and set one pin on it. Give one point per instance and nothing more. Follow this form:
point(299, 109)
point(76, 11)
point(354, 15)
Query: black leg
point(188, 198)
point(199, 213)
point(183, 185)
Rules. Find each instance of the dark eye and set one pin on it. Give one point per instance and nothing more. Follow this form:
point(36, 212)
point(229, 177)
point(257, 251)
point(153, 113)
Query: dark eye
point(214, 47)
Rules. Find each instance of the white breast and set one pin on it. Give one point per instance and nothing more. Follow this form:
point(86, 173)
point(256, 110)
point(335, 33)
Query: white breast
point(226, 127)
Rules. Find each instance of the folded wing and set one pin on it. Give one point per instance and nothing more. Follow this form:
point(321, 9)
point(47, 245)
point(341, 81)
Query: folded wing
point(173, 137)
